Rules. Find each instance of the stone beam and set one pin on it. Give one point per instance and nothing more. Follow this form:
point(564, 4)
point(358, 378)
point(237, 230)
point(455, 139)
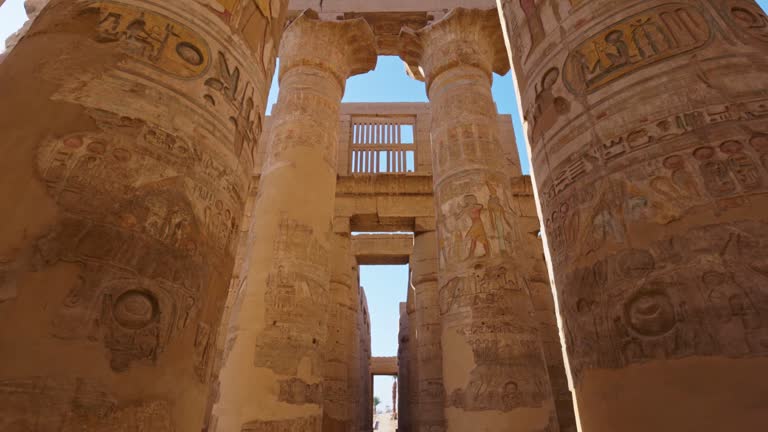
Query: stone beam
point(384, 366)
point(384, 203)
point(382, 249)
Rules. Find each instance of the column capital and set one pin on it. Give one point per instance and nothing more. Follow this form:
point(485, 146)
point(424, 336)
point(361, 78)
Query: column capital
point(463, 37)
point(343, 48)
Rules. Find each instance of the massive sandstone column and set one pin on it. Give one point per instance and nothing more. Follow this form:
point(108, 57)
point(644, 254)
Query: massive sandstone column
point(127, 132)
point(429, 391)
point(404, 346)
point(272, 375)
point(411, 396)
point(493, 367)
point(341, 361)
point(366, 383)
point(648, 128)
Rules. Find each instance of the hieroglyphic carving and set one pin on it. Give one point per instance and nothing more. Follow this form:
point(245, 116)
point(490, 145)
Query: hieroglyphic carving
point(720, 175)
point(654, 134)
point(225, 86)
point(502, 378)
point(147, 239)
point(293, 425)
point(256, 21)
point(298, 280)
point(509, 371)
point(485, 287)
point(701, 293)
point(634, 43)
point(41, 404)
point(83, 168)
point(173, 48)
point(154, 39)
point(297, 392)
point(748, 20)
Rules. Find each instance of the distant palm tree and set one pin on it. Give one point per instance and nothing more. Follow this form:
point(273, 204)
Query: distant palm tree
point(376, 403)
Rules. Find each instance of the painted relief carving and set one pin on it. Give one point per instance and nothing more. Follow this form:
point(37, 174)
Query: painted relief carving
point(535, 24)
point(696, 293)
point(547, 108)
point(719, 176)
point(148, 216)
point(650, 138)
point(476, 220)
point(153, 39)
point(635, 43)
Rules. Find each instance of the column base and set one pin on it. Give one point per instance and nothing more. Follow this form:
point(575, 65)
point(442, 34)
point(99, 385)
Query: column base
point(689, 395)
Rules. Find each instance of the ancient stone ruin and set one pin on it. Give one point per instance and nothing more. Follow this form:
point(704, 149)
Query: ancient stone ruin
point(173, 260)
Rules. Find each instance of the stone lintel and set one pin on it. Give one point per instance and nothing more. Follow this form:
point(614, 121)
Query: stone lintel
point(382, 249)
point(380, 206)
point(384, 366)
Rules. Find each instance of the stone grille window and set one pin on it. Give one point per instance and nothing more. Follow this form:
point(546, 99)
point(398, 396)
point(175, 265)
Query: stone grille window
point(383, 145)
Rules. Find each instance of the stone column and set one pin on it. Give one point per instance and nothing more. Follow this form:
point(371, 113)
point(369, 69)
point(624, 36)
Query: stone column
point(366, 383)
point(127, 132)
point(411, 396)
point(430, 394)
point(404, 370)
point(272, 376)
point(647, 124)
point(341, 360)
point(532, 266)
point(493, 367)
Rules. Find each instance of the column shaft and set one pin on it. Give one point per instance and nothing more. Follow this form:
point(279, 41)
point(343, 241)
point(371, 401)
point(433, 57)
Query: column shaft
point(366, 383)
point(647, 126)
point(404, 421)
point(411, 398)
point(127, 132)
point(494, 371)
point(430, 394)
point(341, 358)
point(272, 378)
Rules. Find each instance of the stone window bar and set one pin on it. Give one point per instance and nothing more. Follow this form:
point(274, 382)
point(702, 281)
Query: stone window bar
point(382, 144)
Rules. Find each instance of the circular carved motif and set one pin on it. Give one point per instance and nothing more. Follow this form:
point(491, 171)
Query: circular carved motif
point(651, 314)
point(135, 309)
point(190, 53)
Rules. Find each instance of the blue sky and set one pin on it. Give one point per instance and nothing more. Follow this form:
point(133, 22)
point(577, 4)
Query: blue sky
point(385, 285)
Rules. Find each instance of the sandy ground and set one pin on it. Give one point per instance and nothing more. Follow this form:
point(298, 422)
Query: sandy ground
point(386, 423)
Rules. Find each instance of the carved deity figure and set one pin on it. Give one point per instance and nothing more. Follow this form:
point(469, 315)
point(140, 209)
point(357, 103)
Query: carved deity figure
point(476, 233)
point(535, 24)
point(499, 220)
